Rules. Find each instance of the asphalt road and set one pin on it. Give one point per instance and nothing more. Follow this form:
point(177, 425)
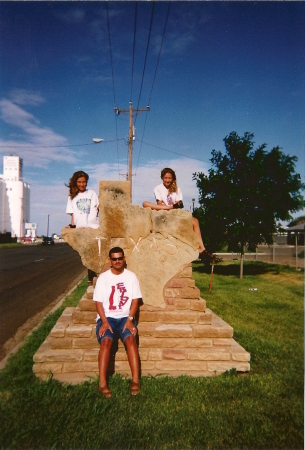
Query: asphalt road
point(32, 277)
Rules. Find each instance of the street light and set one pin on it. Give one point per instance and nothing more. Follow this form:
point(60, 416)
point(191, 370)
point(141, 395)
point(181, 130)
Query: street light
point(97, 140)
point(193, 200)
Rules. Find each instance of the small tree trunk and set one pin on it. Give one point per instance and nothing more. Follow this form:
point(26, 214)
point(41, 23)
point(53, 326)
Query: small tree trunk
point(241, 267)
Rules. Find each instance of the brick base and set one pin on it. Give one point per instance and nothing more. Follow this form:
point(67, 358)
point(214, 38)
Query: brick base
point(183, 338)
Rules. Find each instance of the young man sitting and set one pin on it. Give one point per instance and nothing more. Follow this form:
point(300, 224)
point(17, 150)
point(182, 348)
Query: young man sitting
point(117, 293)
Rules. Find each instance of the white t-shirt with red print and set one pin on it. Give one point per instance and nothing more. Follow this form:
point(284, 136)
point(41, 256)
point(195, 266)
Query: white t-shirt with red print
point(116, 292)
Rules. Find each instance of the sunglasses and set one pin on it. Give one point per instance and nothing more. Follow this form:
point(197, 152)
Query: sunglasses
point(120, 258)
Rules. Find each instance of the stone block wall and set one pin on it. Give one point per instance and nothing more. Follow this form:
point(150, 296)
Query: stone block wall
point(182, 338)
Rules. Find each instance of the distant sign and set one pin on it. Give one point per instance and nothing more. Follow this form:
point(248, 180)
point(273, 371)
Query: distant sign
point(30, 226)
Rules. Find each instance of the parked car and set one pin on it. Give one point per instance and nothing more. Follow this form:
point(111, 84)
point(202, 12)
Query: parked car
point(26, 239)
point(48, 240)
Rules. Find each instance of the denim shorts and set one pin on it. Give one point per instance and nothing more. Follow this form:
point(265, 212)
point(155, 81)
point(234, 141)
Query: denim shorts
point(117, 326)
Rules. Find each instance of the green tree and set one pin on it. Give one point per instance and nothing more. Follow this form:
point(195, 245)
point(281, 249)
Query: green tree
point(297, 221)
point(245, 195)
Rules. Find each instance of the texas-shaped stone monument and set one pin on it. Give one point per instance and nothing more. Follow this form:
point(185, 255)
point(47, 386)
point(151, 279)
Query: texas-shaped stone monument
point(178, 334)
point(157, 244)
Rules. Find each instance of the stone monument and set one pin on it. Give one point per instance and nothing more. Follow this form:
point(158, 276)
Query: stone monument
point(178, 335)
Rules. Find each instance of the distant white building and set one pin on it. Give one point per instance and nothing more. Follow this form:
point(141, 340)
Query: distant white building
point(14, 198)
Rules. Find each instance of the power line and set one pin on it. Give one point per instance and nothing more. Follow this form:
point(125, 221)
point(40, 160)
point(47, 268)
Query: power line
point(154, 78)
point(104, 142)
point(112, 74)
point(176, 153)
point(111, 60)
point(165, 25)
point(147, 46)
point(134, 46)
point(16, 146)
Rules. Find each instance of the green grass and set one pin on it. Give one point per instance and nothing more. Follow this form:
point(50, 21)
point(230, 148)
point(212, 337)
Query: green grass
point(260, 410)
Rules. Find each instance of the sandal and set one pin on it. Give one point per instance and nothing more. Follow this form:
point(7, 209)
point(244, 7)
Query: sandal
point(135, 388)
point(104, 391)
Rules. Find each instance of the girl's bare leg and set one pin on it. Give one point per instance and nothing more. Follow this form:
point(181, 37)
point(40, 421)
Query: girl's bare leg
point(156, 206)
point(196, 229)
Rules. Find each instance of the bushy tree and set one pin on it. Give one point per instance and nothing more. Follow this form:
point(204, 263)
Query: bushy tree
point(246, 193)
point(297, 221)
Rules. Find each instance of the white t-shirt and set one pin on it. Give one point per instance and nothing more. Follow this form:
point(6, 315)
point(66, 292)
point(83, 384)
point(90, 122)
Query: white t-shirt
point(116, 292)
point(84, 208)
point(161, 193)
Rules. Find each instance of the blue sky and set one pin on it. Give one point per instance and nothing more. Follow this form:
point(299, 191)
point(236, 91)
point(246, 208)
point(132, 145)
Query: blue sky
point(224, 66)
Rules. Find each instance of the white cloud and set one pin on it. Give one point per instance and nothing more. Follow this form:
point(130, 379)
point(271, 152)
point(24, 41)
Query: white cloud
point(24, 97)
point(37, 144)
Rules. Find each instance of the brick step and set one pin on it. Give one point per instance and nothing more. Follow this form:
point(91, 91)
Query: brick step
point(192, 312)
point(166, 361)
point(89, 292)
point(231, 352)
point(196, 304)
point(175, 368)
point(151, 334)
point(144, 343)
point(78, 353)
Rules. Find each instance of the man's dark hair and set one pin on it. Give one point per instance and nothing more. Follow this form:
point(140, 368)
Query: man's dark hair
point(116, 250)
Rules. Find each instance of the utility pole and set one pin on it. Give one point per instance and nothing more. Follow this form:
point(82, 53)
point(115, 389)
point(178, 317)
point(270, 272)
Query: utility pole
point(132, 113)
point(48, 225)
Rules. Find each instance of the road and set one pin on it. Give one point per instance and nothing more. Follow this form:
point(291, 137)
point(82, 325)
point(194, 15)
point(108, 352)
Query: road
point(32, 277)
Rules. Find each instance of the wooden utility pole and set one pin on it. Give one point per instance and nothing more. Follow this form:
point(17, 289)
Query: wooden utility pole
point(132, 113)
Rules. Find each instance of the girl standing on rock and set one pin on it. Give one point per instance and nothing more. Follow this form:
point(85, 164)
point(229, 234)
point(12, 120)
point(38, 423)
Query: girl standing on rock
point(82, 206)
point(83, 203)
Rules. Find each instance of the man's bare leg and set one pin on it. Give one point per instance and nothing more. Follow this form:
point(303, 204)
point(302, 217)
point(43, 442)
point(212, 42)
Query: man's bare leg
point(103, 361)
point(133, 358)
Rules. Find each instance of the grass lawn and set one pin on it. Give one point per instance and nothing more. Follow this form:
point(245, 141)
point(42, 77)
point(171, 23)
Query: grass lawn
point(261, 410)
